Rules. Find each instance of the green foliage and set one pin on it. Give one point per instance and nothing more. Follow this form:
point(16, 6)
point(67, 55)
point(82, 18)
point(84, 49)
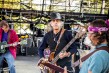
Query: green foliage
point(40, 26)
point(15, 4)
point(21, 26)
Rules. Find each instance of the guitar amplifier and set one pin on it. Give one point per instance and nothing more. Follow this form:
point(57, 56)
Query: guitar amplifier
point(31, 51)
point(29, 42)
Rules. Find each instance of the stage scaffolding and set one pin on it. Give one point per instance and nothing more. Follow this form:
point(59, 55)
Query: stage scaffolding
point(33, 12)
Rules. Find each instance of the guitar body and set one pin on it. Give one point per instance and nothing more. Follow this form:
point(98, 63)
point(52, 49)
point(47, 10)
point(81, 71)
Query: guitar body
point(51, 57)
point(45, 69)
point(51, 71)
point(4, 44)
point(2, 49)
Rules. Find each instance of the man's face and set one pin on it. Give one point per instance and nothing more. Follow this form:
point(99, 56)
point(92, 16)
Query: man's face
point(91, 36)
point(56, 24)
point(5, 28)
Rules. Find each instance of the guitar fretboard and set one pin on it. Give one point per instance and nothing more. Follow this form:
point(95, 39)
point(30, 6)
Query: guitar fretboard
point(8, 45)
point(63, 50)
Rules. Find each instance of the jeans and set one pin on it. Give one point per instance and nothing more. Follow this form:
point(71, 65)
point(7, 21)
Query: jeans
point(10, 60)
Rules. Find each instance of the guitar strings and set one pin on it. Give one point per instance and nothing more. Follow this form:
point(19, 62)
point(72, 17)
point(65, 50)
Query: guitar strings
point(57, 57)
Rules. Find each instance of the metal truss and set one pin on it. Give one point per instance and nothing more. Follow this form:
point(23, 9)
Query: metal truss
point(27, 11)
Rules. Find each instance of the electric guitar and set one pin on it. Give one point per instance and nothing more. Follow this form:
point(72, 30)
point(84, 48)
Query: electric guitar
point(4, 44)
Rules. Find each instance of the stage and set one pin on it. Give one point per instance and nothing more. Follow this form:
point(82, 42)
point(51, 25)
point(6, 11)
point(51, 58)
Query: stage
point(27, 64)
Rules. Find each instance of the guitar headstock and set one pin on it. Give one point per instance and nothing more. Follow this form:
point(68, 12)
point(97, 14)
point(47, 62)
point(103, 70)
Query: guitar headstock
point(80, 33)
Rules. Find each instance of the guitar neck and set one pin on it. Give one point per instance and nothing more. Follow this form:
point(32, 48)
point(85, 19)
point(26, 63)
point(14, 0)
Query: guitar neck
point(8, 45)
point(68, 45)
point(63, 50)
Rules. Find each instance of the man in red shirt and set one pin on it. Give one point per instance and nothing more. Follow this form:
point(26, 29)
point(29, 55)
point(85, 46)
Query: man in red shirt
point(8, 35)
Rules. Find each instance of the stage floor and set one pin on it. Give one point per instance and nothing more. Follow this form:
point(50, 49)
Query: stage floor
point(27, 64)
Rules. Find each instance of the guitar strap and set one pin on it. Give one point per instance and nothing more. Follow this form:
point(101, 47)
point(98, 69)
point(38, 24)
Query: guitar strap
point(8, 36)
point(88, 55)
point(101, 48)
point(62, 31)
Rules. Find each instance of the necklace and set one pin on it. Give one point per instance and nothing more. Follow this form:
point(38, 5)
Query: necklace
point(55, 37)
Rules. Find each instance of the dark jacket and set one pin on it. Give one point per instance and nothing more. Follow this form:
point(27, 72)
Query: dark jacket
point(48, 40)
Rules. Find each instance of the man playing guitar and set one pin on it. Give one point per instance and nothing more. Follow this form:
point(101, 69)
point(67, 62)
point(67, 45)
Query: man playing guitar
point(8, 35)
point(98, 61)
point(51, 39)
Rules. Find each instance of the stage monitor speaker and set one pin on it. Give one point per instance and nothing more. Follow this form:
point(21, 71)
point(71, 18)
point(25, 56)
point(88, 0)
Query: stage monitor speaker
point(32, 51)
point(29, 42)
